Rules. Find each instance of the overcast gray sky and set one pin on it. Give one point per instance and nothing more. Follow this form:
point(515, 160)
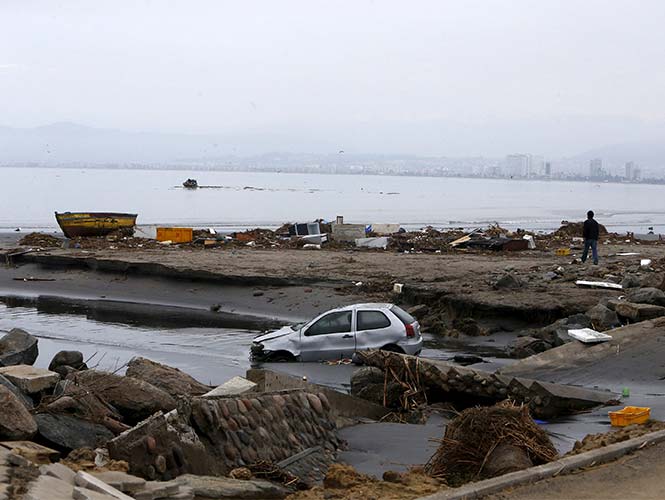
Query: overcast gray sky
point(430, 77)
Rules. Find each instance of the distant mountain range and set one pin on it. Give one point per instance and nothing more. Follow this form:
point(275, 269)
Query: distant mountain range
point(646, 154)
point(61, 143)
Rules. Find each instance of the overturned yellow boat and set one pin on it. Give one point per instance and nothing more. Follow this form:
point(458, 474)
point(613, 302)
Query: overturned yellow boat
point(75, 224)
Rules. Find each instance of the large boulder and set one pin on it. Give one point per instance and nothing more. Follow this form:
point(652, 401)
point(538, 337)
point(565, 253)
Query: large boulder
point(16, 422)
point(169, 379)
point(66, 362)
point(630, 281)
point(652, 296)
point(507, 281)
point(523, 347)
point(556, 334)
point(24, 398)
point(30, 379)
point(603, 318)
point(135, 399)
point(69, 433)
point(18, 347)
point(653, 280)
point(638, 312)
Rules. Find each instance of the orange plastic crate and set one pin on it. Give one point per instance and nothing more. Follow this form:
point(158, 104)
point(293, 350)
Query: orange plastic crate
point(175, 234)
point(629, 415)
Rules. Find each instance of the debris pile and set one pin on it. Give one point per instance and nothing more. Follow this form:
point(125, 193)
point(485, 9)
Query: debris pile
point(595, 441)
point(485, 442)
point(41, 240)
point(343, 482)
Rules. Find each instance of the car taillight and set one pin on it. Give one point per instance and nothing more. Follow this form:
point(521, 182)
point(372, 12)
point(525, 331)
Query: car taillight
point(410, 331)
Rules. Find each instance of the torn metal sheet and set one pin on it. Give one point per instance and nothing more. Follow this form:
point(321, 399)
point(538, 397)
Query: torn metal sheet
point(599, 284)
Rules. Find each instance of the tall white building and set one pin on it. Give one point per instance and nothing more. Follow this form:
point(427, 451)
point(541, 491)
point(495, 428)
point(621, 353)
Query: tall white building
point(630, 170)
point(596, 168)
point(523, 165)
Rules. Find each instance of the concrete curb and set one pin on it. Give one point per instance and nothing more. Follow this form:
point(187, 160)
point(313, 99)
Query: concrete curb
point(561, 466)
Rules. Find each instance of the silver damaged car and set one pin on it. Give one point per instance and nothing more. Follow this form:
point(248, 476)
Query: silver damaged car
point(337, 334)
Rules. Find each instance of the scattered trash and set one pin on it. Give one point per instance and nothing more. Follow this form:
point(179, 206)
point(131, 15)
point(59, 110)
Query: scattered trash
point(627, 254)
point(629, 415)
point(175, 234)
point(645, 262)
point(599, 284)
point(309, 228)
point(530, 241)
point(562, 252)
point(398, 287)
point(589, 336)
point(311, 246)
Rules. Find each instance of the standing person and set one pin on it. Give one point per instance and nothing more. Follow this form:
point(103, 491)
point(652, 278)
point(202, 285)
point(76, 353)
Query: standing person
point(590, 235)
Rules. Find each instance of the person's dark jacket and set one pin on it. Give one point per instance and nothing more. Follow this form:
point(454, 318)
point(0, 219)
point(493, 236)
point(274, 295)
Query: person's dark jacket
point(591, 230)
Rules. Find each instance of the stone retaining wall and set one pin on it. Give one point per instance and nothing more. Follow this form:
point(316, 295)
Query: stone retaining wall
point(215, 435)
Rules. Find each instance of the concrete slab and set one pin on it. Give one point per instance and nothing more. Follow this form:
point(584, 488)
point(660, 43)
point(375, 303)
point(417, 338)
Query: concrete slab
point(29, 378)
point(49, 487)
point(89, 481)
point(225, 487)
point(86, 494)
point(157, 489)
point(121, 481)
point(232, 387)
point(59, 471)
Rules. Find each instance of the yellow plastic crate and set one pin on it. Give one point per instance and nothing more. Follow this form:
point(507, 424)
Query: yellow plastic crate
point(629, 415)
point(175, 234)
point(562, 252)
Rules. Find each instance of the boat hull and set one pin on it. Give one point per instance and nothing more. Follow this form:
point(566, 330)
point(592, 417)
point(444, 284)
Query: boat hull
point(75, 224)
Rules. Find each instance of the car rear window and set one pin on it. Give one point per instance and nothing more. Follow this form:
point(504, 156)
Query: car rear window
point(372, 320)
point(404, 316)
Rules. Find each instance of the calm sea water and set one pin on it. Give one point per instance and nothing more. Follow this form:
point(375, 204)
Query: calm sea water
point(29, 196)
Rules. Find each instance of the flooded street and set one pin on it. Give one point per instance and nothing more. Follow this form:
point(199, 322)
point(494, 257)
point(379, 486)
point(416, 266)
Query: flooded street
point(213, 355)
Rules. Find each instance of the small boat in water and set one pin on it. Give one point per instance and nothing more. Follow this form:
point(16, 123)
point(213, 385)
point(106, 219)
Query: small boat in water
point(191, 184)
point(75, 224)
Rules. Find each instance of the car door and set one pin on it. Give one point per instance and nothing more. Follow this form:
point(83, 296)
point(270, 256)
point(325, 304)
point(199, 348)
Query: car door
point(374, 329)
point(329, 337)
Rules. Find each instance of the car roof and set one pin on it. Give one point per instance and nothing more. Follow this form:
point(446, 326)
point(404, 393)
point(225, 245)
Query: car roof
point(366, 305)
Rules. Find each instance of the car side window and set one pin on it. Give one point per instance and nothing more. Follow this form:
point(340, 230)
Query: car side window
point(372, 320)
point(337, 322)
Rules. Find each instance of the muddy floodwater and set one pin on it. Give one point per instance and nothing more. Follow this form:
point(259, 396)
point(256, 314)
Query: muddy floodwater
point(213, 355)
